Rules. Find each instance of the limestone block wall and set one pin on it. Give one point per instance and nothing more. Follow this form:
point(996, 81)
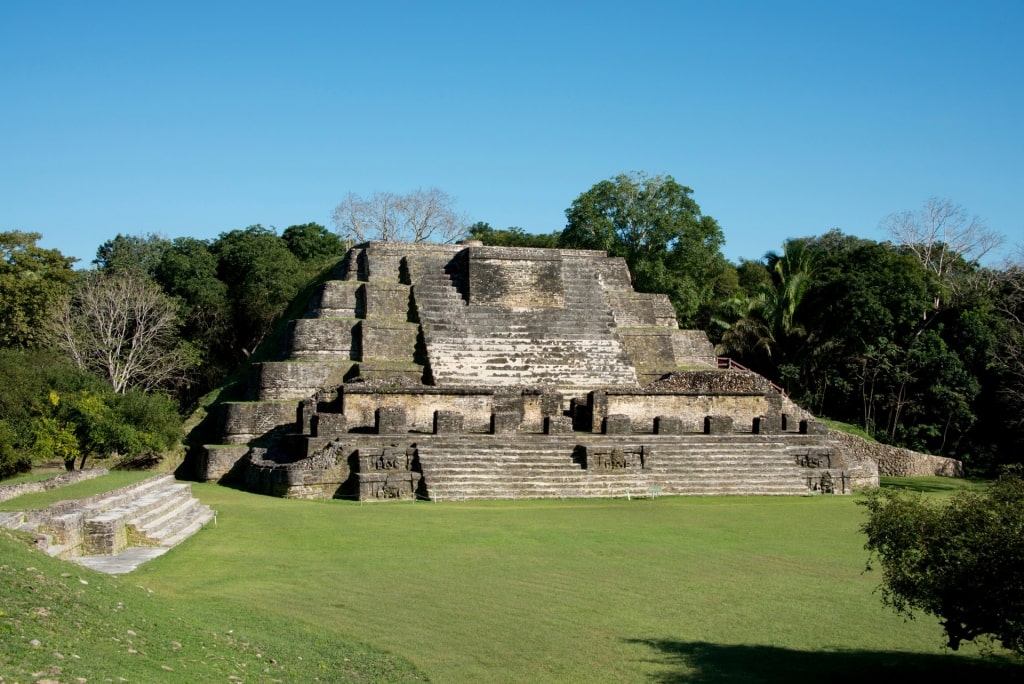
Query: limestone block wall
point(217, 461)
point(633, 309)
point(387, 341)
point(897, 462)
point(642, 409)
point(321, 339)
point(612, 272)
point(381, 262)
point(338, 299)
point(295, 379)
point(693, 348)
point(360, 407)
point(516, 278)
point(387, 301)
point(245, 421)
point(651, 350)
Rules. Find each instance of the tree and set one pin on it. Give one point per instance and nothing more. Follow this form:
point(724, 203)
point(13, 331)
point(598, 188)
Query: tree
point(312, 241)
point(770, 325)
point(188, 272)
point(654, 223)
point(513, 236)
point(125, 329)
point(261, 276)
point(419, 216)
point(945, 239)
point(961, 561)
point(49, 408)
point(139, 255)
point(32, 279)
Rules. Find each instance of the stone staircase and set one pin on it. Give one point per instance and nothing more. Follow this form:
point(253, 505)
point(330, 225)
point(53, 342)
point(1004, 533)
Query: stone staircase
point(157, 513)
point(571, 347)
point(632, 465)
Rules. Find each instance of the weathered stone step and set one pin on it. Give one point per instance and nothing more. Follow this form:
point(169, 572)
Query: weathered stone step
point(158, 531)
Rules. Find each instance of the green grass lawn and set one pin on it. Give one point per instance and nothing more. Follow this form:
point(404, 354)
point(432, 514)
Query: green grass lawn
point(756, 589)
point(78, 490)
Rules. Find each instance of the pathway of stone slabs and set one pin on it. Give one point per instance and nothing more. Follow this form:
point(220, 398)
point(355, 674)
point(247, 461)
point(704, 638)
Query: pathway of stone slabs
point(120, 563)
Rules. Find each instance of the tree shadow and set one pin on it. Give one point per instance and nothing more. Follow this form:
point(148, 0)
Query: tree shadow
point(933, 484)
point(705, 663)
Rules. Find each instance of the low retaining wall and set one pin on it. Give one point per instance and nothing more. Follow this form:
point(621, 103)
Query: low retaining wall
point(12, 490)
point(898, 462)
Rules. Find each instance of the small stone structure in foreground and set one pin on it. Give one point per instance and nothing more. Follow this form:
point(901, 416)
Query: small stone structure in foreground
point(467, 371)
point(154, 514)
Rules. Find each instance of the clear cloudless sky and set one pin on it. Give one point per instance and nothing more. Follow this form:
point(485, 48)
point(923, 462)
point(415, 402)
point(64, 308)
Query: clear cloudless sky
point(786, 118)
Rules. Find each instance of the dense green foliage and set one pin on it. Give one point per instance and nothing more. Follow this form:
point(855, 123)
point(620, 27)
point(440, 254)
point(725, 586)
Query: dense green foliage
point(31, 278)
point(856, 330)
point(230, 291)
point(51, 409)
point(654, 223)
point(961, 560)
point(512, 236)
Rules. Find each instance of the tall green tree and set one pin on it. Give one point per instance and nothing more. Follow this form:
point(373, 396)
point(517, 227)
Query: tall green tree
point(654, 223)
point(137, 255)
point(961, 560)
point(262, 276)
point(32, 279)
point(309, 241)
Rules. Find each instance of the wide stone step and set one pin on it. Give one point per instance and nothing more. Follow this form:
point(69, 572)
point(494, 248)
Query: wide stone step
point(151, 522)
point(694, 464)
point(163, 531)
point(126, 495)
point(202, 516)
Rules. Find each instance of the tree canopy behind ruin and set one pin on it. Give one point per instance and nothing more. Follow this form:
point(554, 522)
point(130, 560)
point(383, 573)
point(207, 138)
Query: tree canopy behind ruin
point(655, 224)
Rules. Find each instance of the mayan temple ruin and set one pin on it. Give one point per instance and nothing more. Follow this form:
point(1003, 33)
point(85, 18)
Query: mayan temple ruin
point(449, 372)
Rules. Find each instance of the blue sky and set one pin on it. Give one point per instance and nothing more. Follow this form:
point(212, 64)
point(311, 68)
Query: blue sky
point(786, 118)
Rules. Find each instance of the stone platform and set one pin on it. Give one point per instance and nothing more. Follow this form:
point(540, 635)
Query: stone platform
point(466, 371)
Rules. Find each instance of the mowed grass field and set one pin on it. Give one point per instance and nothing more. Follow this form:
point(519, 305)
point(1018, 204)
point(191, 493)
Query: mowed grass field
point(672, 589)
point(752, 589)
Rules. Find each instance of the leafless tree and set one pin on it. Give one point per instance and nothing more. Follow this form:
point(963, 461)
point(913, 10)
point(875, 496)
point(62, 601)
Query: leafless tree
point(124, 328)
point(945, 239)
point(419, 216)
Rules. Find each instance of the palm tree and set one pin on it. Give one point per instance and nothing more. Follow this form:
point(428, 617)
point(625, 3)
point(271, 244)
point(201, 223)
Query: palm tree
point(770, 327)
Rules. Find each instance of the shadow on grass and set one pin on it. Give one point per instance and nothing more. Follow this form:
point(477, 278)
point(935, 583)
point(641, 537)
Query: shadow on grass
point(933, 484)
point(700, 663)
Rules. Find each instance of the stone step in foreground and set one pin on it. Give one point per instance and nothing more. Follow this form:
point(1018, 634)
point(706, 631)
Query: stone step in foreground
point(115, 531)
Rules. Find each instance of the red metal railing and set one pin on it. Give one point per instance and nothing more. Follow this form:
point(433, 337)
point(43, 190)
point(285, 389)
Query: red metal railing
point(725, 363)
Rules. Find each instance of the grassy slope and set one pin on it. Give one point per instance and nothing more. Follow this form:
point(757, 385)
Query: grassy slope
point(674, 589)
point(62, 622)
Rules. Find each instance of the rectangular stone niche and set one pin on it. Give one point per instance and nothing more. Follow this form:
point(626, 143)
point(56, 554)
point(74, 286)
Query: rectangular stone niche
point(767, 425)
point(504, 421)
